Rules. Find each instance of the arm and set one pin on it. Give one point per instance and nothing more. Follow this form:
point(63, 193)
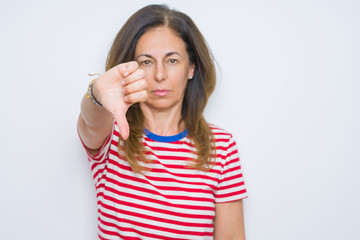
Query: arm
point(229, 221)
point(117, 89)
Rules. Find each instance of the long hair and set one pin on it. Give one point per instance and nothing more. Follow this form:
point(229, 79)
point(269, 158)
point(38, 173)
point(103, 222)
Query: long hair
point(198, 89)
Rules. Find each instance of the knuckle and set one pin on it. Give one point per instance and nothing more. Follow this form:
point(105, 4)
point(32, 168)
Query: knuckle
point(125, 90)
point(119, 68)
point(130, 98)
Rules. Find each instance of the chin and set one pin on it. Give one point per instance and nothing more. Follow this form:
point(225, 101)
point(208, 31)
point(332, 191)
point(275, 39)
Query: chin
point(160, 105)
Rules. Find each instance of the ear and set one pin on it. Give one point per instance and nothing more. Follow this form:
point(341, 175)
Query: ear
point(191, 71)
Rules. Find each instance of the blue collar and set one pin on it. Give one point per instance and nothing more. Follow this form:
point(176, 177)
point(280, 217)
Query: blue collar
point(159, 138)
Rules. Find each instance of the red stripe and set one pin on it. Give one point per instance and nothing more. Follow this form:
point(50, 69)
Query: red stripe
point(231, 194)
point(115, 143)
point(232, 186)
point(230, 154)
point(222, 148)
point(95, 164)
point(232, 178)
point(98, 173)
point(223, 138)
point(100, 194)
point(235, 160)
point(116, 133)
point(115, 153)
point(221, 133)
point(233, 169)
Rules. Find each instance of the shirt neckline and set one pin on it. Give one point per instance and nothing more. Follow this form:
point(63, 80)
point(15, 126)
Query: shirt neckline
point(167, 139)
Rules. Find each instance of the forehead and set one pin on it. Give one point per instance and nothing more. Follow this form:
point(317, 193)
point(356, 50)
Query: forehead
point(160, 40)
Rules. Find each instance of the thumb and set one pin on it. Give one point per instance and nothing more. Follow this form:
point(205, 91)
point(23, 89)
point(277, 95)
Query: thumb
point(122, 125)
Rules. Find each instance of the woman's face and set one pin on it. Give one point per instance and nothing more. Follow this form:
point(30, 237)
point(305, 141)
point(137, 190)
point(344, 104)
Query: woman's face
point(163, 57)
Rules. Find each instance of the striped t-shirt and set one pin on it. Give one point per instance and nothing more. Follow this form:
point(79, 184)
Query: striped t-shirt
point(171, 201)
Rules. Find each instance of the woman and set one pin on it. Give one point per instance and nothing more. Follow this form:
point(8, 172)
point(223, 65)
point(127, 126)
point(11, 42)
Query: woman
point(160, 171)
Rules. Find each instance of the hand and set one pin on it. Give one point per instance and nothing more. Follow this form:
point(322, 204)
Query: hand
point(118, 88)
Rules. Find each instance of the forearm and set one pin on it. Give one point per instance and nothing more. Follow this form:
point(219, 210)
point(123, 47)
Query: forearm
point(95, 117)
point(94, 124)
point(237, 234)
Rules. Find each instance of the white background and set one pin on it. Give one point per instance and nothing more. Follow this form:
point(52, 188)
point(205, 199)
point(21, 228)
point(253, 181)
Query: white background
point(288, 90)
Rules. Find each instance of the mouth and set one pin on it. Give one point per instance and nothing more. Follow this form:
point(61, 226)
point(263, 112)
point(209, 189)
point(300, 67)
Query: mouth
point(161, 92)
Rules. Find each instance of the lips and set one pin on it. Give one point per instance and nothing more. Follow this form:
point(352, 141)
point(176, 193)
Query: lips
point(160, 92)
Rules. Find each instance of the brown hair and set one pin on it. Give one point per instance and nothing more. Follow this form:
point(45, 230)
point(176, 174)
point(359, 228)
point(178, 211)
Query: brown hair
point(198, 89)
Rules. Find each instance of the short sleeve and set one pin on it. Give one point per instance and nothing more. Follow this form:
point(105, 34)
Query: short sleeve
point(231, 185)
point(104, 150)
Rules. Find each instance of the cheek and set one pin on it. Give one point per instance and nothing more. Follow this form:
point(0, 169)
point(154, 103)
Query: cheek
point(181, 85)
point(180, 76)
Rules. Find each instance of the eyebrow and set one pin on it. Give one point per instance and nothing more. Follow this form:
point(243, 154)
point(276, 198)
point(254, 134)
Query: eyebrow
point(166, 55)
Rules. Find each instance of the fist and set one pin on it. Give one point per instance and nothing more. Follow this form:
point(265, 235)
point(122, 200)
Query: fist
point(118, 88)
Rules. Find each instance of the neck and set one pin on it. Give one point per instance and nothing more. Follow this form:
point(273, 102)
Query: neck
point(163, 122)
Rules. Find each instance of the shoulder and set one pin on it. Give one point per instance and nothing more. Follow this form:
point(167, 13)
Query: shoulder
point(220, 133)
point(224, 140)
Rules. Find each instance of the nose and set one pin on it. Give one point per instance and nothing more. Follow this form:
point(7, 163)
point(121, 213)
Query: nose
point(160, 74)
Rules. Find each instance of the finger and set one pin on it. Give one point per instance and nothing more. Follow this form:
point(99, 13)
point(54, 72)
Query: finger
point(136, 97)
point(135, 87)
point(138, 74)
point(122, 125)
point(125, 69)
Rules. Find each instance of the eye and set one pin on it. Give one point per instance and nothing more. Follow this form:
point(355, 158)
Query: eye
point(145, 62)
point(173, 60)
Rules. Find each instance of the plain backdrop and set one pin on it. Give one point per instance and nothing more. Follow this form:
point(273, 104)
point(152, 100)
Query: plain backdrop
point(288, 90)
